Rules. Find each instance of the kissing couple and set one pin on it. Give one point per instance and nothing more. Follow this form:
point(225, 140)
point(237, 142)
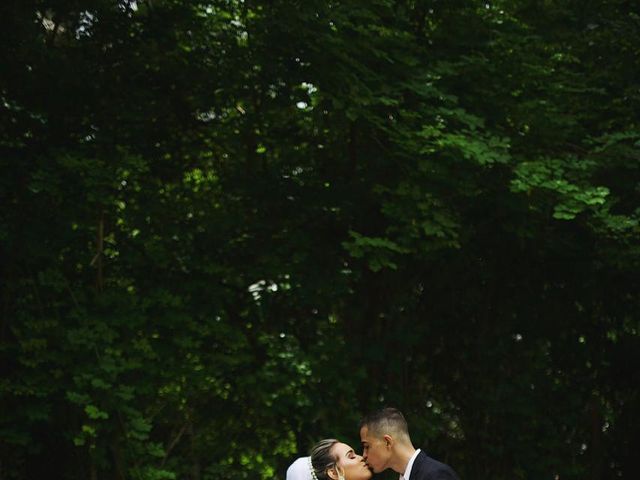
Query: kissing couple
point(385, 444)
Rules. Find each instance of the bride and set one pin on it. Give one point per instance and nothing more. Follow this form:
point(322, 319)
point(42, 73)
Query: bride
point(330, 460)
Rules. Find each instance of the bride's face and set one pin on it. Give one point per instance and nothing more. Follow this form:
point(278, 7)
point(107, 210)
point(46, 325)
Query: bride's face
point(351, 464)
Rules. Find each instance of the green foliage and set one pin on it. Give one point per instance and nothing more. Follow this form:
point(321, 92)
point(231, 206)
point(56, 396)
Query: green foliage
point(229, 228)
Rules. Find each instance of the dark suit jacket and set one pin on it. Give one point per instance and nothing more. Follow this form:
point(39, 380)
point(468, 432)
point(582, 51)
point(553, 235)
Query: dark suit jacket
point(426, 468)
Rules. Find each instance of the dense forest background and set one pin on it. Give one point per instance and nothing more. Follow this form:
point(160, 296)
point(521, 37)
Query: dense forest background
point(230, 228)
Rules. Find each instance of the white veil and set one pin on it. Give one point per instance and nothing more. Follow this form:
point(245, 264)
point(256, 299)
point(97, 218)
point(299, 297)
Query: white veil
point(300, 469)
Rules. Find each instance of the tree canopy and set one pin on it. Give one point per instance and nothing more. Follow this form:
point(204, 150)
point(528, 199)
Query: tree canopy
point(229, 228)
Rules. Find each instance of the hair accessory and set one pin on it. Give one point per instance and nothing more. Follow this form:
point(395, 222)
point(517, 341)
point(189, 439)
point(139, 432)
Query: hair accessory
point(313, 472)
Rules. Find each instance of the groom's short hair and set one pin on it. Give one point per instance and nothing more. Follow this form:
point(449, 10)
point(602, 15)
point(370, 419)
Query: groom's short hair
point(387, 421)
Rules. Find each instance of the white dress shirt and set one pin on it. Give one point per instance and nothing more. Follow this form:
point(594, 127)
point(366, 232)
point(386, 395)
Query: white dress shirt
point(407, 471)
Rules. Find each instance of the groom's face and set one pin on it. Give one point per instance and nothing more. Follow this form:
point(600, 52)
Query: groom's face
point(374, 450)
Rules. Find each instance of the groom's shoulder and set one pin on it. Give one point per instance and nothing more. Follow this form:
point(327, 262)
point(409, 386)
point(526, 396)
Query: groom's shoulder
point(428, 468)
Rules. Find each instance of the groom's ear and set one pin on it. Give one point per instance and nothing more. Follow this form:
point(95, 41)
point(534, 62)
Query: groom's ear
point(388, 441)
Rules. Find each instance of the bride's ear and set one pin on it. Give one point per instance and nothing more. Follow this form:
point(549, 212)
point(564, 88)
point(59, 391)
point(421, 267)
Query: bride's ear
point(334, 474)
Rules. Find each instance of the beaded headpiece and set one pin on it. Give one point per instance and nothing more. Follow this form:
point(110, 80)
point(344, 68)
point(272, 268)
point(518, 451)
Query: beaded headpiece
point(313, 472)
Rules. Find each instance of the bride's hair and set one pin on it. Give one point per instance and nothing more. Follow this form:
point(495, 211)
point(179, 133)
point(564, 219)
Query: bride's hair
point(322, 459)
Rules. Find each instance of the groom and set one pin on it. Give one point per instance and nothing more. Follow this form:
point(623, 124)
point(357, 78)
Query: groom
point(386, 444)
